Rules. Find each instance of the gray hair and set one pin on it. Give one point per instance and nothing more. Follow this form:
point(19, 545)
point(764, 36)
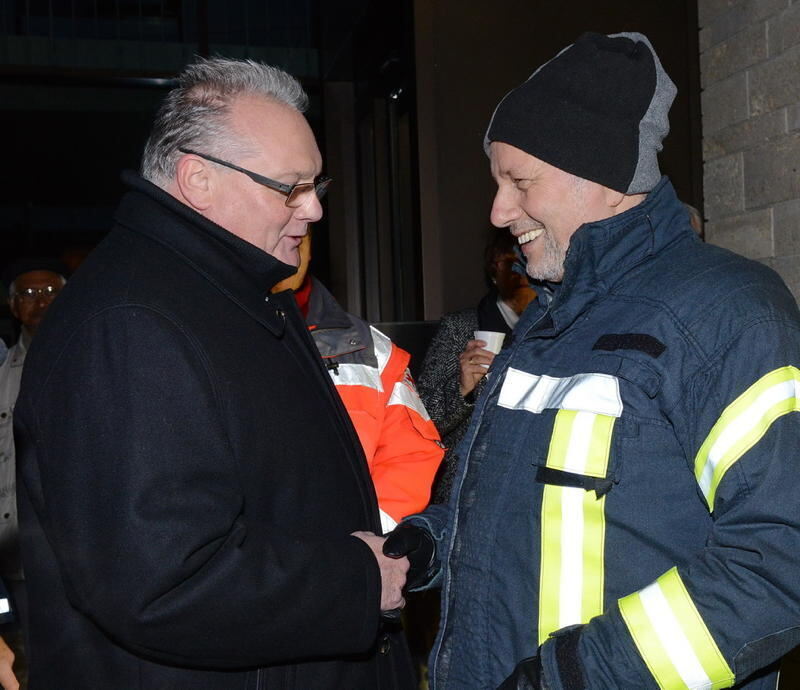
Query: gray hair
point(12, 288)
point(195, 114)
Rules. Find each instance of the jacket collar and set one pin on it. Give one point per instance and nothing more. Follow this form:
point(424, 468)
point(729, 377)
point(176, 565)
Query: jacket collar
point(601, 254)
point(238, 269)
point(335, 333)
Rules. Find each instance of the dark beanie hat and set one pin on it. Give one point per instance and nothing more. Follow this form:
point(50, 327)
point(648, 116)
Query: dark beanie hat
point(597, 110)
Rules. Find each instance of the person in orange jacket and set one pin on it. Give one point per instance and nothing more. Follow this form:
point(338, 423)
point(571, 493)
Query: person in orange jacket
point(371, 375)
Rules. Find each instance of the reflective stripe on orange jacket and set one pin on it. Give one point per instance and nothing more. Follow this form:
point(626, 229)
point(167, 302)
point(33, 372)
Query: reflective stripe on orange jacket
point(371, 374)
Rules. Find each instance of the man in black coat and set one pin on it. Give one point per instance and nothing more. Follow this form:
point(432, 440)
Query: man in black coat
point(196, 511)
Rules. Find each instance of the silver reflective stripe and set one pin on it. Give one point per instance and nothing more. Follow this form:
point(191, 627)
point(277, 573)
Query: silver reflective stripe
point(598, 393)
point(403, 395)
point(388, 523)
point(356, 375)
point(382, 346)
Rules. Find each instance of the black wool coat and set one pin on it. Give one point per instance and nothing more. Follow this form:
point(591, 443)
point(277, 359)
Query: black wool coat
point(189, 477)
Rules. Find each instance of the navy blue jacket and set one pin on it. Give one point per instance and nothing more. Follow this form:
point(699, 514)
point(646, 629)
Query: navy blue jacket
point(632, 465)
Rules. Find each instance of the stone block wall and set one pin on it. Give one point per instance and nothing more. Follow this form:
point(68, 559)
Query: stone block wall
point(750, 76)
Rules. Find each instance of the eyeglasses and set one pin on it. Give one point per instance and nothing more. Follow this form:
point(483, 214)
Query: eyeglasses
point(295, 194)
point(31, 294)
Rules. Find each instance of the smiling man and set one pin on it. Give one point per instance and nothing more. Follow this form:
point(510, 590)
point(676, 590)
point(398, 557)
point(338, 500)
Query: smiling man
point(625, 511)
point(184, 523)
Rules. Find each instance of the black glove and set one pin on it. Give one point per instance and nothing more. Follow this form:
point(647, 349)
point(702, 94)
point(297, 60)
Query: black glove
point(418, 545)
point(561, 648)
point(527, 675)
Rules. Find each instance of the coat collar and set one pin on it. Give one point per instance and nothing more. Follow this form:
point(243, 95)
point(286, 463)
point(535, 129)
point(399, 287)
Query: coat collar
point(334, 331)
point(601, 254)
point(241, 271)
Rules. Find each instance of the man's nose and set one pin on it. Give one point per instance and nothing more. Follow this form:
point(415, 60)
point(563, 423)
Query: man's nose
point(503, 211)
point(311, 209)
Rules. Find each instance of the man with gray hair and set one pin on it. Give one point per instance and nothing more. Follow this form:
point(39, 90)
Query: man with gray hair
point(625, 511)
point(196, 510)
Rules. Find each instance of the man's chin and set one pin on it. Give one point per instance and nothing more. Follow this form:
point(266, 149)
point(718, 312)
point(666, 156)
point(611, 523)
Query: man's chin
point(292, 257)
point(550, 274)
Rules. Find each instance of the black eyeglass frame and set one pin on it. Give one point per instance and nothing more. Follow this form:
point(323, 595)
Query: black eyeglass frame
point(292, 192)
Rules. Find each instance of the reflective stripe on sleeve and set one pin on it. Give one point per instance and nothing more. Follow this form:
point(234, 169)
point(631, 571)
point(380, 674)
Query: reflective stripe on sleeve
point(672, 638)
point(382, 346)
point(742, 424)
point(403, 395)
point(573, 524)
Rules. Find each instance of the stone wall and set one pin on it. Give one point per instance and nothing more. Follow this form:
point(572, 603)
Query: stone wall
point(750, 75)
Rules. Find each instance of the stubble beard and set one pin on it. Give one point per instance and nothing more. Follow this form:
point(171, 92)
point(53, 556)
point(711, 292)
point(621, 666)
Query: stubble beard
point(550, 266)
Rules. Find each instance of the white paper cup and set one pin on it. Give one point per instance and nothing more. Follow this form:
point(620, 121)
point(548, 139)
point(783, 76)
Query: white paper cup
point(493, 339)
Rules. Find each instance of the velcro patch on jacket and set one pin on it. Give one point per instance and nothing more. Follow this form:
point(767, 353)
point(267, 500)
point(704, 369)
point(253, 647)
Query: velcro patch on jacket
point(630, 341)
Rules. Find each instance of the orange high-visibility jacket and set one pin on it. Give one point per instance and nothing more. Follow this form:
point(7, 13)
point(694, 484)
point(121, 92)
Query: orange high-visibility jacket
point(371, 374)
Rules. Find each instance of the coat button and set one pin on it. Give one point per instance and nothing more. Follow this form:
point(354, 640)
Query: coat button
point(353, 341)
point(384, 645)
point(266, 299)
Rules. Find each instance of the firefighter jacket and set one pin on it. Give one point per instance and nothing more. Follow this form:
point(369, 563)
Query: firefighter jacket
point(632, 465)
point(371, 374)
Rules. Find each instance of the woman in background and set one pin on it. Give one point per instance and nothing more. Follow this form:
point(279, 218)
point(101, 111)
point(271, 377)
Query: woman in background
point(455, 364)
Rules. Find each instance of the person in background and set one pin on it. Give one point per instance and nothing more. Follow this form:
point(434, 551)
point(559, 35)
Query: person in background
point(32, 284)
point(8, 680)
point(625, 510)
point(372, 377)
point(455, 365)
point(195, 510)
point(695, 218)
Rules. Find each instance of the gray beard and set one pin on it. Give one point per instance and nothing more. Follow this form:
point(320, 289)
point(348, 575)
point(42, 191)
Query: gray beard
point(551, 266)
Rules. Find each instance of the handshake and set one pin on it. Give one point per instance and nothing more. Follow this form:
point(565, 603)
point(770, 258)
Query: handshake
point(406, 559)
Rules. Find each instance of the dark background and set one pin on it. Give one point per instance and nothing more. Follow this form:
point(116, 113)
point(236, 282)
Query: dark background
point(400, 95)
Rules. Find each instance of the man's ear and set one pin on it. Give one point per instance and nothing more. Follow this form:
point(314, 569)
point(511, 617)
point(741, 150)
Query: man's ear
point(193, 177)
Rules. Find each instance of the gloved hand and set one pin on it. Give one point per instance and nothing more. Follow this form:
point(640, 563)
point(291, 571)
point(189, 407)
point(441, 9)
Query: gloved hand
point(418, 545)
point(560, 652)
point(527, 675)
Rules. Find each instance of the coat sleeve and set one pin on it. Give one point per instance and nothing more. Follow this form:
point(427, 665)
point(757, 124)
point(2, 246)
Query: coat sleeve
point(141, 502)
point(439, 376)
point(408, 452)
point(734, 607)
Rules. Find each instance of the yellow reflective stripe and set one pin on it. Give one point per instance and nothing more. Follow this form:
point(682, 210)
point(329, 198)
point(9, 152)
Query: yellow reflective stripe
point(697, 633)
point(573, 524)
point(742, 424)
point(672, 638)
point(581, 443)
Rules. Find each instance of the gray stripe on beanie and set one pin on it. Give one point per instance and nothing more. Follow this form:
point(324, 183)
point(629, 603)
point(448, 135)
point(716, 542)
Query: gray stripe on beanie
point(654, 126)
